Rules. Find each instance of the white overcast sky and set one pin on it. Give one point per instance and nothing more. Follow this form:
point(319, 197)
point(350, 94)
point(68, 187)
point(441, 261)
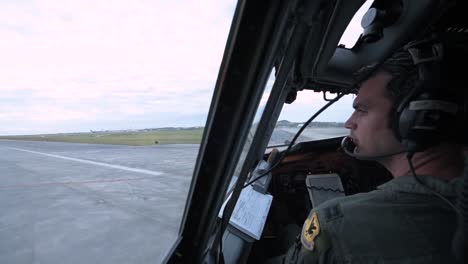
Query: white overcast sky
point(71, 66)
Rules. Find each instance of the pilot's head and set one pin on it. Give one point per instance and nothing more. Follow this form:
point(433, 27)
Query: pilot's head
point(373, 123)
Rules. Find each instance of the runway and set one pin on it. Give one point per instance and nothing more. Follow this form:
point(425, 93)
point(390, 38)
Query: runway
point(96, 203)
point(85, 203)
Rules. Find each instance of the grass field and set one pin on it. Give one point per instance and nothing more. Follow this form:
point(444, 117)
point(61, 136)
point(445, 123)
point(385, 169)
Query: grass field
point(140, 138)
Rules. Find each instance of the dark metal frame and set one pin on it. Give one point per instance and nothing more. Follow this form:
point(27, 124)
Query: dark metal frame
point(236, 96)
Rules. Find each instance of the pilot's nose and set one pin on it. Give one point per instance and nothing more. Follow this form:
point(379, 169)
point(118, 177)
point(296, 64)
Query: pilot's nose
point(350, 123)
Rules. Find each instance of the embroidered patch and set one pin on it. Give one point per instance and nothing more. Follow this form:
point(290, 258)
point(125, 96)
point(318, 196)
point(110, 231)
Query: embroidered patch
point(310, 231)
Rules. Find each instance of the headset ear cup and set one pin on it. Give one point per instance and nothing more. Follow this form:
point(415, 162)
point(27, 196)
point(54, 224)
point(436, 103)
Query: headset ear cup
point(414, 134)
point(403, 117)
point(405, 121)
point(421, 128)
point(408, 136)
point(413, 130)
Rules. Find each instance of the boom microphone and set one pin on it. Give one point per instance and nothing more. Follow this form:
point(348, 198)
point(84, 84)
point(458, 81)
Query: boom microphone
point(348, 147)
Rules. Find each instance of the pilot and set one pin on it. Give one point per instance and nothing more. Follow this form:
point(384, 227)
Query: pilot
point(410, 219)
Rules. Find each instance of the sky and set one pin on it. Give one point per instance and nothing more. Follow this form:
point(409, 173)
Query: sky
point(76, 66)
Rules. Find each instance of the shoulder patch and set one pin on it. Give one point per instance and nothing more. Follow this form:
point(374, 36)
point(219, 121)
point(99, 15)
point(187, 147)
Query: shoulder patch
point(310, 230)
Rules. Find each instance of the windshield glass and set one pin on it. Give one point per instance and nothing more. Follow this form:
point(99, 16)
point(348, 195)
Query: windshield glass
point(328, 124)
point(354, 28)
point(103, 108)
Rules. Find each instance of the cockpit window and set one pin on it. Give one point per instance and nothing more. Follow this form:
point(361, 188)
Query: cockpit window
point(329, 124)
point(103, 108)
point(354, 28)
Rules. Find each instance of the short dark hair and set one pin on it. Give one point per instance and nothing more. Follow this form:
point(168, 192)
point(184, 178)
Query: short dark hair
point(403, 72)
point(405, 76)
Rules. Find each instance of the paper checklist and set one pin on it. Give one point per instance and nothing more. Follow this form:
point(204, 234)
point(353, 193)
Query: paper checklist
point(250, 212)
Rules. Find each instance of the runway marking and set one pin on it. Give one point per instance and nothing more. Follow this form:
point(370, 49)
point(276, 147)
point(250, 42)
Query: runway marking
point(46, 184)
point(156, 173)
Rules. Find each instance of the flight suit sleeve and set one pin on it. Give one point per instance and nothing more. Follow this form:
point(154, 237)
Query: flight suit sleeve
point(312, 245)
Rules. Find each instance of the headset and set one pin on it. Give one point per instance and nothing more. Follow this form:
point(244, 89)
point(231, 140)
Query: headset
point(425, 116)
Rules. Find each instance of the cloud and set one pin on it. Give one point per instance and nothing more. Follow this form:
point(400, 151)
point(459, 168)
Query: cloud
point(79, 65)
point(92, 60)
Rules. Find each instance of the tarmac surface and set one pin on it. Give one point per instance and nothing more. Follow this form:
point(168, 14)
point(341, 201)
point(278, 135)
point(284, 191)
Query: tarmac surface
point(96, 203)
point(85, 203)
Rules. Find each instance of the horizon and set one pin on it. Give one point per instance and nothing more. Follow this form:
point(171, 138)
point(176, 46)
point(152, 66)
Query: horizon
point(72, 67)
point(153, 129)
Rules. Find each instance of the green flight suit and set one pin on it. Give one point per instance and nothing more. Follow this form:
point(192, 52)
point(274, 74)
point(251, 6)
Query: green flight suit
point(400, 222)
